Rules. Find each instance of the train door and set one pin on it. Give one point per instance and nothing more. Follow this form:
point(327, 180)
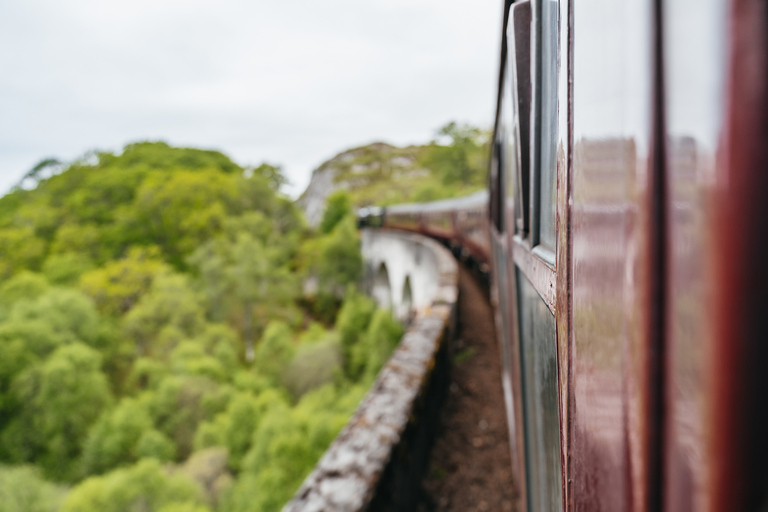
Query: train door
point(716, 126)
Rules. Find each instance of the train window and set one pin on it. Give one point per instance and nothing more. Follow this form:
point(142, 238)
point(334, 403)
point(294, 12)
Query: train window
point(538, 372)
point(546, 18)
point(496, 203)
point(519, 87)
point(533, 54)
point(508, 158)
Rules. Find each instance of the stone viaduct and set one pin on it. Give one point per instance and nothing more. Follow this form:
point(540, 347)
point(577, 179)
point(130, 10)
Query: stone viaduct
point(377, 461)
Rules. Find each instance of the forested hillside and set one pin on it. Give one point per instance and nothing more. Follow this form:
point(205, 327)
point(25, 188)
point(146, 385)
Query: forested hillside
point(158, 348)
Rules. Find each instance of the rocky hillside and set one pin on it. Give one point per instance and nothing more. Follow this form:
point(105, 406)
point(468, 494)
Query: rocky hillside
point(374, 174)
point(381, 174)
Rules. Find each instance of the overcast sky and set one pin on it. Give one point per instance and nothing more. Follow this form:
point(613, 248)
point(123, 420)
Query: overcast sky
point(291, 82)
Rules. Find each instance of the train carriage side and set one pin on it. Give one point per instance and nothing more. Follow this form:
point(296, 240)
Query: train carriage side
point(472, 230)
point(460, 223)
point(406, 216)
point(628, 214)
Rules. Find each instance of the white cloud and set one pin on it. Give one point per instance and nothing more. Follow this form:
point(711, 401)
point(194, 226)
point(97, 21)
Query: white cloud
point(288, 81)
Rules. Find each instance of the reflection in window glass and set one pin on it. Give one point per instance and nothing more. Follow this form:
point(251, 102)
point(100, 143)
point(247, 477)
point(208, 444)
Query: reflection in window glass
point(548, 134)
point(538, 361)
point(506, 331)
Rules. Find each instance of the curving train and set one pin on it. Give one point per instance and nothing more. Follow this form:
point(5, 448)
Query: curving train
point(626, 232)
point(460, 223)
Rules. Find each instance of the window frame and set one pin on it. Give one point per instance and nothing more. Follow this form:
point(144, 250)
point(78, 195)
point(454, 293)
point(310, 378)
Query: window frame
point(537, 261)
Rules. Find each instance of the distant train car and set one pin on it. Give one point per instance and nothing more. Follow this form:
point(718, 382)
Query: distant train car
point(460, 223)
point(370, 216)
point(627, 234)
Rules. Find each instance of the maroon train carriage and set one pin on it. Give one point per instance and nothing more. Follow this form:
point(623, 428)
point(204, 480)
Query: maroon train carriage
point(460, 223)
point(628, 219)
point(629, 212)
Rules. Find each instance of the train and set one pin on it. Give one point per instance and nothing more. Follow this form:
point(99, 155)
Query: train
point(625, 232)
point(461, 224)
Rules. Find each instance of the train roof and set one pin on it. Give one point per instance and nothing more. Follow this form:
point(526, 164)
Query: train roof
point(477, 199)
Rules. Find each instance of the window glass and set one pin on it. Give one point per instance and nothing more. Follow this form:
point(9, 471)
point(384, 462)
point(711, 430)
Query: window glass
point(548, 128)
point(518, 87)
point(508, 166)
point(503, 323)
point(538, 361)
point(497, 174)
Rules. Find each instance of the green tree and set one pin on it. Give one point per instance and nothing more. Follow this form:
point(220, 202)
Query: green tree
point(10, 203)
point(340, 262)
point(79, 238)
point(161, 156)
point(40, 320)
point(39, 215)
point(104, 194)
point(274, 351)
point(189, 358)
point(273, 174)
point(22, 489)
point(146, 374)
point(187, 506)
point(24, 285)
point(153, 444)
point(181, 403)
point(218, 341)
point(179, 211)
point(144, 486)
point(247, 277)
point(381, 338)
point(67, 312)
point(168, 313)
point(257, 278)
point(43, 167)
point(463, 159)
point(313, 365)
point(123, 436)
point(352, 322)
point(112, 439)
point(243, 419)
point(66, 268)
point(118, 285)
point(21, 345)
point(287, 445)
point(57, 402)
point(20, 249)
point(337, 207)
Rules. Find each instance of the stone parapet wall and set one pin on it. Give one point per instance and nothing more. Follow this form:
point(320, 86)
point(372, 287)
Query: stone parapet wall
point(378, 460)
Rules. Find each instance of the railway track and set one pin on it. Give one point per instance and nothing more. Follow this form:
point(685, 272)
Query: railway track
point(469, 469)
